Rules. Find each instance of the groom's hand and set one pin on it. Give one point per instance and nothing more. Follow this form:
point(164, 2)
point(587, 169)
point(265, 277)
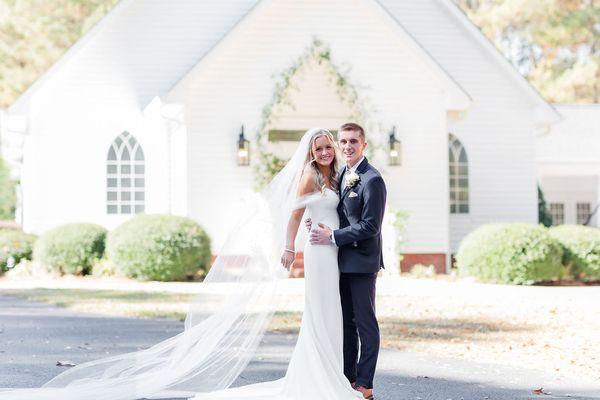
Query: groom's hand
point(321, 235)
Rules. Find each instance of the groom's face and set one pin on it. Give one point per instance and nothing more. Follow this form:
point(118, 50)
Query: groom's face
point(352, 146)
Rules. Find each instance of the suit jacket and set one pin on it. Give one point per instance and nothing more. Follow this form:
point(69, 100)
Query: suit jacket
point(361, 216)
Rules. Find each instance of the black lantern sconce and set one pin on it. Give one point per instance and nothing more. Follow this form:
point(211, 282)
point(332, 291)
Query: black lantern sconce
point(395, 148)
point(243, 154)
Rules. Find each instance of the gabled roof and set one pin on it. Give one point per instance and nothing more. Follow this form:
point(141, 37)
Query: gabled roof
point(207, 22)
point(429, 29)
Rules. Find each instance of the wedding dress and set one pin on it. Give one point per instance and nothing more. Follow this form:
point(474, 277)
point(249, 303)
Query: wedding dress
point(316, 368)
point(229, 315)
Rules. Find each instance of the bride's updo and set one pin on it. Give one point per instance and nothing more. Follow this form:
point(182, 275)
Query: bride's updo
point(311, 161)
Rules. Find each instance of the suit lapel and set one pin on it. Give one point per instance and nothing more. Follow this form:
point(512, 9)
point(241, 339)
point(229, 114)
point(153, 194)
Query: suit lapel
point(341, 182)
point(362, 167)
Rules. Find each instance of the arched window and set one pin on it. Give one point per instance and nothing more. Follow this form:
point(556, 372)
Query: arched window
point(459, 176)
point(125, 170)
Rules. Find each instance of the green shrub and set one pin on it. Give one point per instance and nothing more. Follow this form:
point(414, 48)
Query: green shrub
point(15, 245)
point(159, 247)
point(71, 248)
point(581, 246)
point(103, 268)
point(516, 253)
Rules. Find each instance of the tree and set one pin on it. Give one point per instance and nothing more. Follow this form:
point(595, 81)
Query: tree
point(544, 216)
point(35, 34)
point(8, 197)
point(554, 43)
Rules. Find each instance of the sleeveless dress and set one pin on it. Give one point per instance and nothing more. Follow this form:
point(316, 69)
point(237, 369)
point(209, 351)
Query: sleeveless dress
point(316, 368)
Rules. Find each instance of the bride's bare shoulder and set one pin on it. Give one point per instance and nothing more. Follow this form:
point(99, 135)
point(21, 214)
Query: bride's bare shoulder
point(307, 181)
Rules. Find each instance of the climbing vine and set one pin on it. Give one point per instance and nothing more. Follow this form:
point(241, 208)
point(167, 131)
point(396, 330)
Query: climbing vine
point(269, 164)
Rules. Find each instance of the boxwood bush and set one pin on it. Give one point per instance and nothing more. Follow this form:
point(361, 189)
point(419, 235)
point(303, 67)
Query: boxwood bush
point(15, 245)
point(71, 248)
point(581, 246)
point(159, 247)
point(517, 253)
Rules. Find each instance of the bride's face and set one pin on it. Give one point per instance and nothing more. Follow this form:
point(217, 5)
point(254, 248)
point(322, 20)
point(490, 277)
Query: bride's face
point(323, 151)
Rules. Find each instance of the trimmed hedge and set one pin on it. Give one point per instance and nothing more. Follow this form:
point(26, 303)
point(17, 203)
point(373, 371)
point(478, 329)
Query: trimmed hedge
point(159, 247)
point(16, 245)
point(71, 248)
point(581, 246)
point(516, 253)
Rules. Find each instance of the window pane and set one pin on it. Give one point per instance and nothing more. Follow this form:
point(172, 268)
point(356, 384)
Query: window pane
point(126, 182)
point(557, 211)
point(453, 208)
point(139, 182)
point(126, 196)
point(118, 142)
point(111, 169)
point(139, 196)
point(463, 156)
point(139, 209)
point(111, 196)
point(462, 170)
point(463, 183)
point(125, 154)
point(126, 169)
point(125, 209)
point(111, 153)
point(132, 141)
point(139, 169)
point(111, 209)
point(463, 196)
point(583, 212)
point(463, 208)
point(111, 182)
point(139, 154)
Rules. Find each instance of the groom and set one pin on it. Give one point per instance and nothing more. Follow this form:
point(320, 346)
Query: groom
point(362, 202)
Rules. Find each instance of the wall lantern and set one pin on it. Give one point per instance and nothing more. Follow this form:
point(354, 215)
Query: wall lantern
point(395, 148)
point(243, 155)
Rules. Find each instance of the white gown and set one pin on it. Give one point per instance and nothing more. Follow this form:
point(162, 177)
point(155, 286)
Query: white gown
point(316, 367)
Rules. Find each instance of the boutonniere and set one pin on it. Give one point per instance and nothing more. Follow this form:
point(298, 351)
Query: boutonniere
point(351, 179)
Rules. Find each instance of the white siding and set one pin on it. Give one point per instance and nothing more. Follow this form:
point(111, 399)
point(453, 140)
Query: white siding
point(233, 84)
point(498, 131)
point(570, 190)
point(568, 159)
point(140, 50)
point(181, 50)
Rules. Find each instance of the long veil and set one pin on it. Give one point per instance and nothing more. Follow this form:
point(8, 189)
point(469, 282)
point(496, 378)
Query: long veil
point(225, 321)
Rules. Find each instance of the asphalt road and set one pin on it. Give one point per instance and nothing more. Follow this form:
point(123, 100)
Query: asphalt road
point(34, 336)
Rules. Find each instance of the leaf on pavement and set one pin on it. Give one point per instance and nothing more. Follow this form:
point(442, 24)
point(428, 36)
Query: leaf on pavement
point(65, 364)
point(540, 391)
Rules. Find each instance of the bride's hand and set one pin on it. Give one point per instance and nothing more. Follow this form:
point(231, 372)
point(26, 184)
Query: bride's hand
point(287, 259)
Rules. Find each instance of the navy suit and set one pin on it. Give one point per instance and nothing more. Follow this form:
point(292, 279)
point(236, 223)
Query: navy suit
point(360, 257)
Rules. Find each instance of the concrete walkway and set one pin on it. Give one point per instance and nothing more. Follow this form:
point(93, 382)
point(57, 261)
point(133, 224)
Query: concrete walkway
point(33, 337)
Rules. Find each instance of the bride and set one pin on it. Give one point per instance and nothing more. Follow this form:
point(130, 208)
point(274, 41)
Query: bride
point(235, 303)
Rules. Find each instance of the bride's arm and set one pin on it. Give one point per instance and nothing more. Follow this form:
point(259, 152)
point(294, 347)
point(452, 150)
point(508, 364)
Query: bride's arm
point(305, 187)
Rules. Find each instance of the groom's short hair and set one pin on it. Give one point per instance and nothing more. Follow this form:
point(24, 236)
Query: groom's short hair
point(351, 126)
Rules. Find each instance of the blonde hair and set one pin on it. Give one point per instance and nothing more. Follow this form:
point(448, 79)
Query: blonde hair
point(311, 161)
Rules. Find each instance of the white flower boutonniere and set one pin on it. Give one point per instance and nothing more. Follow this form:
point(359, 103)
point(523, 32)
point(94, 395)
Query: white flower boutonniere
point(351, 179)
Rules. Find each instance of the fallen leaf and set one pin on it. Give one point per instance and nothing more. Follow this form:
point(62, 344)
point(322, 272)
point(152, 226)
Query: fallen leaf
point(540, 391)
point(65, 364)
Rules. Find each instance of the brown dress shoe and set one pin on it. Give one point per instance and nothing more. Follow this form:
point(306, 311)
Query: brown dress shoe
point(367, 393)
